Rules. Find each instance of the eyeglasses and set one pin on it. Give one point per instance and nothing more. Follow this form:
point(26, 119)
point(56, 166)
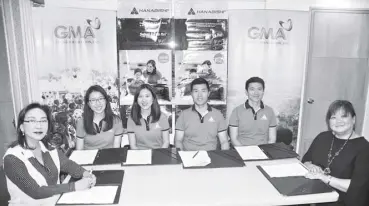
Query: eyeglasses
point(94, 101)
point(35, 121)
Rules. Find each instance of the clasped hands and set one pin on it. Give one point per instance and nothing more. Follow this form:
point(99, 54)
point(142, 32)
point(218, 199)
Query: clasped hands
point(88, 180)
point(316, 172)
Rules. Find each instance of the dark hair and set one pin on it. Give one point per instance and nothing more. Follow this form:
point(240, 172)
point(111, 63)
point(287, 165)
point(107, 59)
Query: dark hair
point(253, 80)
point(337, 105)
point(193, 70)
point(207, 62)
point(200, 81)
point(136, 109)
point(21, 139)
point(137, 70)
point(153, 63)
point(88, 114)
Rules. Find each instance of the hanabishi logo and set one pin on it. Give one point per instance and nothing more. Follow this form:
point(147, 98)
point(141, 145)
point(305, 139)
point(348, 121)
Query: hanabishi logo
point(271, 35)
point(78, 34)
point(203, 11)
point(148, 10)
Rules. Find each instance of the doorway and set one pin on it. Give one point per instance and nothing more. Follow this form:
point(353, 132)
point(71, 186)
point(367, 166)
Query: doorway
point(337, 68)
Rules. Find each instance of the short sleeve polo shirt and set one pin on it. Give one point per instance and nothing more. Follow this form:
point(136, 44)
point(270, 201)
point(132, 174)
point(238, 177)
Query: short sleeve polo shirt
point(253, 127)
point(200, 132)
point(148, 134)
point(102, 139)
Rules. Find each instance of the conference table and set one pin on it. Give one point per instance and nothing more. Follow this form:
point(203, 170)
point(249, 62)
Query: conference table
point(172, 185)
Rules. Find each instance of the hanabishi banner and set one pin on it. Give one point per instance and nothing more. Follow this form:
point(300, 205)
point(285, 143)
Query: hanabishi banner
point(270, 44)
point(143, 26)
point(201, 43)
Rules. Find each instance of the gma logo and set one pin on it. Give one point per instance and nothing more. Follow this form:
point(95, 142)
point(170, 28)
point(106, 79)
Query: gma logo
point(70, 32)
point(270, 33)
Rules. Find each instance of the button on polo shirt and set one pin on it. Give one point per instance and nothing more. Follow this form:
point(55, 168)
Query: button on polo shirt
point(253, 127)
point(200, 132)
point(102, 139)
point(148, 134)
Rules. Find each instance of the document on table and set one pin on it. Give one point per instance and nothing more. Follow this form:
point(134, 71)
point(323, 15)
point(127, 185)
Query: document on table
point(285, 170)
point(83, 157)
point(95, 195)
point(251, 153)
point(138, 157)
point(194, 158)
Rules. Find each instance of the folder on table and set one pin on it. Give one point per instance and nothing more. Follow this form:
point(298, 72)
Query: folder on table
point(161, 156)
point(290, 182)
point(83, 157)
point(251, 153)
point(194, 158)
point(165, 156)
point(99, 157)
point(110, 156)
point(218, 159)
point(96, 195)
point(106, 177)
point(278, 151)
point(138, 157)
point(106, 191)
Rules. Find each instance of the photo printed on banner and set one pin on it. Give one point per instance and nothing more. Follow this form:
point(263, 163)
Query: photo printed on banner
point(153, 67)
point(125, 112)
point(210, 65)
point(144, 33)
point(201, 34)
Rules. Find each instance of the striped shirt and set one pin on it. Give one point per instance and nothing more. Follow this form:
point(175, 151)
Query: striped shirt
point(16, 171)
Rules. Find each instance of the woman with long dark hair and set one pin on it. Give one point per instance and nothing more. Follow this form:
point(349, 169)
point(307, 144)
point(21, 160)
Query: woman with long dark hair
point(32, 169)
point(151, 73)
point(99, 127)
point(147, 126)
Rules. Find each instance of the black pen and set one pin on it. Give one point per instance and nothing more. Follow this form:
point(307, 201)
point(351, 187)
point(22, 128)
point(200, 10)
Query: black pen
point(196, 154)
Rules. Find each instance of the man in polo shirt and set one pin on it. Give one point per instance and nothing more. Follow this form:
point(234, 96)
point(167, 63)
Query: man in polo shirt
point(198, 127)
point(253, 122)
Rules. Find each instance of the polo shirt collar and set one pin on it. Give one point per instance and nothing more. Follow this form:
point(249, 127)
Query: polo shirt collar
point(248, 106)
point(200, 115)
point(209, 108)
point(99, 127)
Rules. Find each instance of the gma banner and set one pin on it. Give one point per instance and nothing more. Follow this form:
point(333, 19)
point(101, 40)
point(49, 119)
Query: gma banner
point(75, 48)
point(271, 44)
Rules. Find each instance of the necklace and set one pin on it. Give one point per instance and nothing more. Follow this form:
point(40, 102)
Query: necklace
point(327, 170)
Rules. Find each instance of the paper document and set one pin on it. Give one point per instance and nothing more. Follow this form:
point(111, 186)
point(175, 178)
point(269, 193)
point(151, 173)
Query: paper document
point(251, 153)
point(95, 195)
point(83, 157)
point(190, 160)
point(138, 157)
point(285, 170)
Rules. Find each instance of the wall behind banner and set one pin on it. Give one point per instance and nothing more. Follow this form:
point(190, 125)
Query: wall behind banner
point(270, 44)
